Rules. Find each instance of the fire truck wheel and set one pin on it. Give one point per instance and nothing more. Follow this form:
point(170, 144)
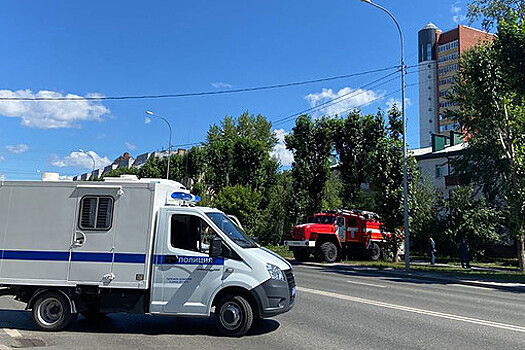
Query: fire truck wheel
point(233, 315)
point(52, 311)
point(329, 252)
point(375, 251)
point(301, 254)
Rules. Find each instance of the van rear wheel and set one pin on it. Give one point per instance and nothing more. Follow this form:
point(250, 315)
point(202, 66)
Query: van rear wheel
point(52, 311)
point(233, 315)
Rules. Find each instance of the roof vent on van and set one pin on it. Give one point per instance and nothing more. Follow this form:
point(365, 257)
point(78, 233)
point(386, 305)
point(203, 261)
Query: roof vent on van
point(50, 177)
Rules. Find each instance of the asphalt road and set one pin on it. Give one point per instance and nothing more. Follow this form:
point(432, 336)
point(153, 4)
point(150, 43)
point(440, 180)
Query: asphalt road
point(334, 310)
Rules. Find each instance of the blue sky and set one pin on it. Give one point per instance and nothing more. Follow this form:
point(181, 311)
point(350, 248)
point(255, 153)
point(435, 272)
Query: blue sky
point(113, 48)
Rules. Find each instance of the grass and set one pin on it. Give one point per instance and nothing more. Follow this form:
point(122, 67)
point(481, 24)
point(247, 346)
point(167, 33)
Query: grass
point(282, 250)
point(505, 272)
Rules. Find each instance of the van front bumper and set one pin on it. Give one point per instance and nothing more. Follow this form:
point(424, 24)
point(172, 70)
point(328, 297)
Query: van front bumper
point(275, 297)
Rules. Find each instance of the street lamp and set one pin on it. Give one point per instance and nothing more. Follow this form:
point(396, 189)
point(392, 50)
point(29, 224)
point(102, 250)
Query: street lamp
point(405, 182)
point(90, 156)
point(169, 145)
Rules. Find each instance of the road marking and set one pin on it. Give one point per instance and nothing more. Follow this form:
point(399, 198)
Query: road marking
point(366, 284)
point(509, 327)
point(13, 333)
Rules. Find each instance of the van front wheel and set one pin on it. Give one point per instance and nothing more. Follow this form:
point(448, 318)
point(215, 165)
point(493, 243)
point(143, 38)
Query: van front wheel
point(233, 315)
point(52, 311)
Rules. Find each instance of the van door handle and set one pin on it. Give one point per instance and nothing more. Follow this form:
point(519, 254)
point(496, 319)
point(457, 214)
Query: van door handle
point(171, 259)
point(80, 239)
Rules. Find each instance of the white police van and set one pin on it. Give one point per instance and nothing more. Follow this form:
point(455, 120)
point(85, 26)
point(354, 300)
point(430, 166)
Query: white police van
point(133, 246)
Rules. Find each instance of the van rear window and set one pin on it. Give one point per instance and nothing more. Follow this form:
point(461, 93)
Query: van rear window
point(96, 213)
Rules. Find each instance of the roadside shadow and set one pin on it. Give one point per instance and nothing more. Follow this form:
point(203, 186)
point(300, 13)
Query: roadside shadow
point(134, 324)
point(416, 277)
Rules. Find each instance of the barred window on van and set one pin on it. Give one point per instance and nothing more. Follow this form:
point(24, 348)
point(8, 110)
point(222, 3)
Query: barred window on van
point(96, 213)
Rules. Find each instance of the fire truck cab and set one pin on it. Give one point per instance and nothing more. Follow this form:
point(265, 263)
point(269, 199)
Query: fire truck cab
point(332, 235)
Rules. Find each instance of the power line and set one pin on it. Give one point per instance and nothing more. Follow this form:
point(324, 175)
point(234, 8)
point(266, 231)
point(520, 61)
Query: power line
point(201, 93)
point(338, 99)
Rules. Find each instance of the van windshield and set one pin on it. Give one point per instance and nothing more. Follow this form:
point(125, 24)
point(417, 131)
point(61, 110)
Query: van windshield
point(234, 232)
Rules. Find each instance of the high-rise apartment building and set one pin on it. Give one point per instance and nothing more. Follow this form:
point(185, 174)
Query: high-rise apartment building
point(438, 57)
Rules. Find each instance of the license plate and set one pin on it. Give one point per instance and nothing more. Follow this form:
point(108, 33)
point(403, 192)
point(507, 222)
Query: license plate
point(293, 291)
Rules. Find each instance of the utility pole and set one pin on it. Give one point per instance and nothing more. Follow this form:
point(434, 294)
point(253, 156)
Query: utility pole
point(169, 144)
point(405, 181)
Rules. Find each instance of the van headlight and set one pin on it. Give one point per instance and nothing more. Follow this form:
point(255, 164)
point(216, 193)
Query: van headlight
point(275, 272)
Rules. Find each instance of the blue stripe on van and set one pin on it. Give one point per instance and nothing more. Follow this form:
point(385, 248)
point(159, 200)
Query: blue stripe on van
point(42, 255)
point(188, 260)
point(34, 255)
point(130, 258)
point(94, 257)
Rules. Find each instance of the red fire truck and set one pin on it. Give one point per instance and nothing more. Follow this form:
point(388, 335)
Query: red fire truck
point(332, 235)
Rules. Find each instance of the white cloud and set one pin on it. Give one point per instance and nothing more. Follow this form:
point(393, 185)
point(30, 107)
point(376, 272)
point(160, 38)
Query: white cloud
point(457, 16)
point(279, 151)
point(391, 101)
point(17, 149)
point(147, 120)
point(51, 114)
point(2, 158)
point(347, 99)
point(80, 160)
point(2, 177)
point(221, 85)
point(130, 146)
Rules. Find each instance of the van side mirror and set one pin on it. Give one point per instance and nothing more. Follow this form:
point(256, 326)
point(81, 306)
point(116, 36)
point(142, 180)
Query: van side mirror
point(215, 247)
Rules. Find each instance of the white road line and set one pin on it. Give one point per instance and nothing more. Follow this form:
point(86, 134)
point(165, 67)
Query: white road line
point(13, 333)
point(366, 284)
point(414, 310)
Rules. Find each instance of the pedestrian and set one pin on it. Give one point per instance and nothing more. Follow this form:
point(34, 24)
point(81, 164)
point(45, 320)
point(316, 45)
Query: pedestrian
point(432, 250)
point(464, 255)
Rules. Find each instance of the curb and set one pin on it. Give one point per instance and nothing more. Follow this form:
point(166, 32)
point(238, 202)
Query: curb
point(508, 286)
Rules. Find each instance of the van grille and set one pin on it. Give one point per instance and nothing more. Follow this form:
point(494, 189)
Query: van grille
point(291, 283)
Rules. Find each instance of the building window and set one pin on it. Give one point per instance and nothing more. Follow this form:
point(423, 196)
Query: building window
point(439, 171)
point(96, 213)
point(429, 51)
point(448, 69)
point(448, 46)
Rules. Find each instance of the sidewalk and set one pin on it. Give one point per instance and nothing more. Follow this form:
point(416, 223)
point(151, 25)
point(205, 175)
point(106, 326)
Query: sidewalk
point(436, 276)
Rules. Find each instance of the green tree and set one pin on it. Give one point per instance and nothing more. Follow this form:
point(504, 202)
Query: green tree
point(121, 171)
point(491, 93)
point(237, 152)
point(387, 179)
point(493, 11)
point(311, 142)
point(243, 202)
point(424, 205)
point(472, 218)
point(355, 139)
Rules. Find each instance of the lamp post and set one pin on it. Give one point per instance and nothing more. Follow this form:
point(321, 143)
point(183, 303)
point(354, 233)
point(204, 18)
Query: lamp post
point(169, 145)
point(90, 156)
point(405, 182)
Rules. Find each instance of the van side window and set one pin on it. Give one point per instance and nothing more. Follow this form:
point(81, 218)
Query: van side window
point(352, 223)
point(96, 213)
point(190, 232)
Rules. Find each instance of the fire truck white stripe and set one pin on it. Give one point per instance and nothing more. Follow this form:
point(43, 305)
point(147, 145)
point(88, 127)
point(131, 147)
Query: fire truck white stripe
point(487, 323)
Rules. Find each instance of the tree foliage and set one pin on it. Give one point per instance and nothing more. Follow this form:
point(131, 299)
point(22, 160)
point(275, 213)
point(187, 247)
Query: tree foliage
point(311, 142)
point(493, 11)
point(471, 218)
point(491, 93)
